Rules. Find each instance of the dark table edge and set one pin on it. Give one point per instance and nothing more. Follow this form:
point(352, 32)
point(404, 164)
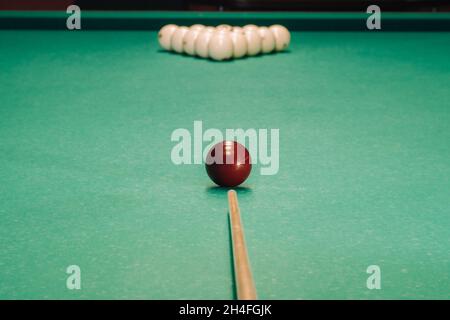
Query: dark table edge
point(92, 20)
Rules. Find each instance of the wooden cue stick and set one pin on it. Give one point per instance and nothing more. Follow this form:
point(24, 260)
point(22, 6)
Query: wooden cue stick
point(242, 271)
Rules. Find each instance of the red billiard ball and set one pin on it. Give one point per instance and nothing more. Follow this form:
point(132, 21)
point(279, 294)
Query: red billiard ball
point(228, 163)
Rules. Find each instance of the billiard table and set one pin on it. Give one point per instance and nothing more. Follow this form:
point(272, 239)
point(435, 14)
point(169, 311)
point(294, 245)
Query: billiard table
point(86, 177)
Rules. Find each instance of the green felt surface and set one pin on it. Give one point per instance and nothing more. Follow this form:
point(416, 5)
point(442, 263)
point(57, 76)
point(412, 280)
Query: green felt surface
point(86, 176)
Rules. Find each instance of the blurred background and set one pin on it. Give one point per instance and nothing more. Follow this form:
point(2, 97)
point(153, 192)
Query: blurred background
point(231, 5)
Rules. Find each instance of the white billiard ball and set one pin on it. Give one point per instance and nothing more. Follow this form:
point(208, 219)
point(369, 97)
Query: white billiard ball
point(197, 26)
point(225, 27)
point(253, 42)
point(202, 42)
point(237, 29)
point(250, 27)
point(282, 37)
point(165, 36)
point(239, 44)
point(267, 40)
point(189, 39)
point(221, 46)
point(177, 39)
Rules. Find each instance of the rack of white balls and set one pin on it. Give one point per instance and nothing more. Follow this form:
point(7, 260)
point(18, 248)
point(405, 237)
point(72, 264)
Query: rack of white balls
point(224, 41)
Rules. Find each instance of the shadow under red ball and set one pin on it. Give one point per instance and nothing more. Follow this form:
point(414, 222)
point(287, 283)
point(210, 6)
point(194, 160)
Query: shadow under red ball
point(228, 163)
